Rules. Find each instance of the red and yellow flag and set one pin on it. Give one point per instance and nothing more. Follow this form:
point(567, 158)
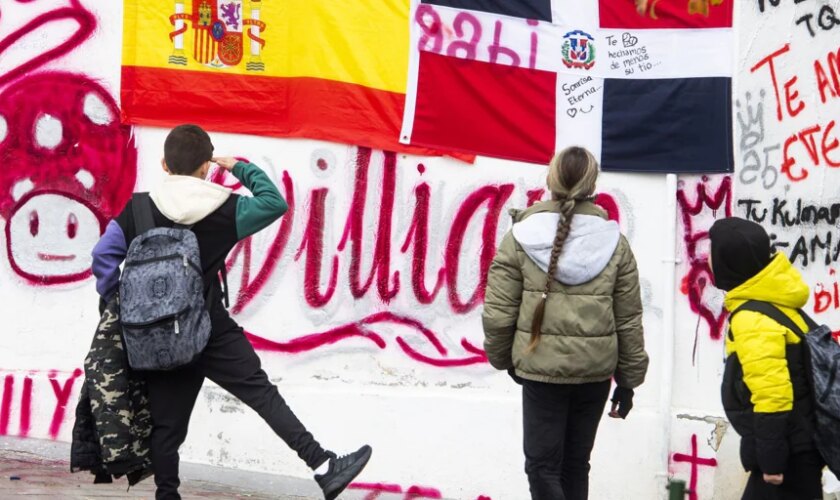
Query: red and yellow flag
point(325, 69)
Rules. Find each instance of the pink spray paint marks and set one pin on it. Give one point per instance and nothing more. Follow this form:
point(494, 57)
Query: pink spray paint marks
point(41, 21)
point(695, 462)
point(18, 394)
point(6, 404)
point(418, 237)
point(62, 395)
point(608, 203)
point(438, 354)
point(69, 166)
point(494, 197)
point(249, 289)
point(695, 233)
point(313, 244)
point(479, 211)
point(375, 490)
point(26, 407)
point(387, 286)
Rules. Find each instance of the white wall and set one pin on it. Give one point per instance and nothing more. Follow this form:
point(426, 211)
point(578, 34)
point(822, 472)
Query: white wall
point(453, 429)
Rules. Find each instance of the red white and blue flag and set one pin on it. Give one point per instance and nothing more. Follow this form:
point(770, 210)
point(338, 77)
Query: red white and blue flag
point(645, 87)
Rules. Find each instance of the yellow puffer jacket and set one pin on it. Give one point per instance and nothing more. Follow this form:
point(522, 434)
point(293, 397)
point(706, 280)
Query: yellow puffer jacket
point(766, 396)
point(761, 342)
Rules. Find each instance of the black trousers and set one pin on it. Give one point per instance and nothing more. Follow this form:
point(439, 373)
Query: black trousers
point(802, 480)
point(560, 425)
point(228, 360)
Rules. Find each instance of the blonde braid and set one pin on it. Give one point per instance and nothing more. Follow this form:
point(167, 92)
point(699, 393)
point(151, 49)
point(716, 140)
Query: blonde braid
point(564, 225)
point(571, 179)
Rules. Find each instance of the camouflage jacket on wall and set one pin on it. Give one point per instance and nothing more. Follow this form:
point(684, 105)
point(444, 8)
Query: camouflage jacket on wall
point(113, 422)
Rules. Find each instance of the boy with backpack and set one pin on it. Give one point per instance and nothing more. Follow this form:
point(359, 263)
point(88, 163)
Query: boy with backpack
point(174, 322)
point(778, 359)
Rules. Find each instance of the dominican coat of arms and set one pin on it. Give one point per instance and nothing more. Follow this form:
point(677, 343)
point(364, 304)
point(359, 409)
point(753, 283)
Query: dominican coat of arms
point(578, 50)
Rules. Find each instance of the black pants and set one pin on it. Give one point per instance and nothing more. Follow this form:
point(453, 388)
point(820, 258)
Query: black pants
point(802, 481)
point(560, 426)
point(230, 361)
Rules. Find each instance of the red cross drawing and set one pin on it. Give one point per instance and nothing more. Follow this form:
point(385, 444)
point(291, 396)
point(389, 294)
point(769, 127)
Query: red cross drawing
point(695, 461)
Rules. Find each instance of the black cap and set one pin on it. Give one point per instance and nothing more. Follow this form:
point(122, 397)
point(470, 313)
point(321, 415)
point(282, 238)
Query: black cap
point(740, 250)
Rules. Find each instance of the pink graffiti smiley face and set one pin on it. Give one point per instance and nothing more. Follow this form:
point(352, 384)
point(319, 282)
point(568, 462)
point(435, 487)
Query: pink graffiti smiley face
point(68, 166)
point(53, 234)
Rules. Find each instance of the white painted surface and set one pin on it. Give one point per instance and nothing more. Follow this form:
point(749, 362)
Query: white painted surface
point(456, 429)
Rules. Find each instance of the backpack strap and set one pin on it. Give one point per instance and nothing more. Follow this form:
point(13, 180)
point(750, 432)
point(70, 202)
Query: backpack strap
point(812, 325)
point(144, 220)
point(774, 313)
point(141, 208)
point(225, 283)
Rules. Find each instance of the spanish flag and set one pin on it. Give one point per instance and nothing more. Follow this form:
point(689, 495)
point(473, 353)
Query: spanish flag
point(324, 69)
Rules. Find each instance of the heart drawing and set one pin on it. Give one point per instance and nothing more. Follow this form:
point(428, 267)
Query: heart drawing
point(629, 40)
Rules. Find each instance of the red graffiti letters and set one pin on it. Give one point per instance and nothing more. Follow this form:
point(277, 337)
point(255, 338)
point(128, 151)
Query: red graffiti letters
point(814, 145)
point(827, 295)
point(62, 395)
point(695, 231)
point(19, 391)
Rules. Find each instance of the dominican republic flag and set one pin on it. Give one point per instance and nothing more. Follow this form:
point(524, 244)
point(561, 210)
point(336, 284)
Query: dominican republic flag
point(645, 87)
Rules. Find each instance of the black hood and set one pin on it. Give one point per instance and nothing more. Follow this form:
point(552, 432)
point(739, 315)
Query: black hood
point(740, 250)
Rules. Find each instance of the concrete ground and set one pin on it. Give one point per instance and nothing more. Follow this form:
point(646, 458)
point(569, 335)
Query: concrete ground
point(33, 469)
point(39, 470)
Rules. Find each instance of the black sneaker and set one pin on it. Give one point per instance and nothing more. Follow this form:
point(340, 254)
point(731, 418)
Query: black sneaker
point(342, 471)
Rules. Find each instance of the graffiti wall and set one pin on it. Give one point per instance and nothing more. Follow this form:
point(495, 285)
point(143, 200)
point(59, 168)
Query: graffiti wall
point(789, 97)
point(364, 300)
point(785, 103)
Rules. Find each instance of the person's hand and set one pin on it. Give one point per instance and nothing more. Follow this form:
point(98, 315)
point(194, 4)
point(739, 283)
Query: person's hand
point(226, 162)
point(774, 479)
point(622, 402)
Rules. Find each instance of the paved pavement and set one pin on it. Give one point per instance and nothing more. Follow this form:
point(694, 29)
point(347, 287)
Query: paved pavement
point(32, 469)
point(39, 470)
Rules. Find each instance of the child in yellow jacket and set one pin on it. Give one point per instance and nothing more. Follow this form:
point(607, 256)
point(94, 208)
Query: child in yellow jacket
point(765, 388)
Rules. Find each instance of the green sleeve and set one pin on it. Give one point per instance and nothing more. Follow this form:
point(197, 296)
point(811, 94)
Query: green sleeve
point(628, 311)
point(256, 212)
point(502, 299)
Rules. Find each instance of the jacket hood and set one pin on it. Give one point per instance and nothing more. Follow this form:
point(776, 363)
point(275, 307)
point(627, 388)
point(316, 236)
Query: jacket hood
point(779, 283)
point(587, 251)
point(740, 249)
point(187, 200)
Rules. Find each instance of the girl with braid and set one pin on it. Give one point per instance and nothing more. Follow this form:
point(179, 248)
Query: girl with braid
point(563, 315)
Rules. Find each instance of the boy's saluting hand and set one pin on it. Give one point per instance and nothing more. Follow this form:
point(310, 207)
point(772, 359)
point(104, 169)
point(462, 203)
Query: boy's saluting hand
point(226, 163)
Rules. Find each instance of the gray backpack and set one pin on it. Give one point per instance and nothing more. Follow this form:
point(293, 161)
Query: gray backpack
point(164, 317)
point(822, 361)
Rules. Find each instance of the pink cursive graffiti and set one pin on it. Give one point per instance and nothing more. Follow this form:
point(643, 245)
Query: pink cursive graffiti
point(480, 209)
point(362, 329)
